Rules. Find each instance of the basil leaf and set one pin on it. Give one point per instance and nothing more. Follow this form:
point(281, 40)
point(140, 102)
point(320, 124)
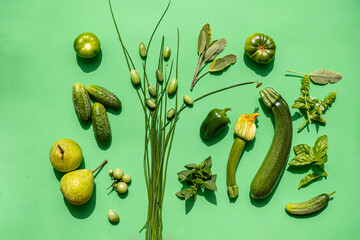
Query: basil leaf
point(298, 105)
point(188, 193)
point(322, 160)
point(184, 174)
point(222, 63)
point(204, 38)
point(191, 165)
point(206, 172)
point(319, 119)
point(323, 76)
point(213, 178)
point(321, 145)
point(181, 194)
point(301, 160)
point(210, 185)
point(309, 178)
point(302, 148)
point(208, 161)
point(215, 49)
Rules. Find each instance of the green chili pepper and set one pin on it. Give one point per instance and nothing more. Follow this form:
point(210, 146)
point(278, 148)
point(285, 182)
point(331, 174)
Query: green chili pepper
point(214, 123)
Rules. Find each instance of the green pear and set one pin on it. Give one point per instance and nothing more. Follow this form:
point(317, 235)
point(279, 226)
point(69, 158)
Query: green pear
point(65, 155)
point(78, 186)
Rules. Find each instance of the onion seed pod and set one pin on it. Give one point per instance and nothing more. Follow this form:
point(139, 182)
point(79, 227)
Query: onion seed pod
point(135, 77)
point(152, 91)
point(170, 114)
point(172, 86)
point(142, 50)
point(167, 52)
point(159, 76)
point(188, 100)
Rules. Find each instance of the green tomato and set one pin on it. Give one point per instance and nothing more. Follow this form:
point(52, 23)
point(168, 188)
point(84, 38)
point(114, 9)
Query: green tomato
point(260, 48)
point(87, 45)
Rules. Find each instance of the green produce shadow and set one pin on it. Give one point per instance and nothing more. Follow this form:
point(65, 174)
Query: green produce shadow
point(209, 195)
point(307, 215)
point(84, 125)
point(59, 174)
point(115, 223)
point(89, 64)
point(104, 146)
point(217, 138)
point(123, 195)
point(266, 111)
point(85, 210)
point(189, 204)
point(305, 169)
point(296, 116)
point(113, 111)
point(259, 68)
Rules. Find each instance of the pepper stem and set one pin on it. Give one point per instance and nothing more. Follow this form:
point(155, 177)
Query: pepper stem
point(223, 112)
point(331, 193)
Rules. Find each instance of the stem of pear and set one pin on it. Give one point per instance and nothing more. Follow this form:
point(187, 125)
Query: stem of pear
point(61, 150)
point(104, 162)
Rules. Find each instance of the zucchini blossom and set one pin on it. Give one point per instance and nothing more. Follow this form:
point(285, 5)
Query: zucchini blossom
point(245, 127)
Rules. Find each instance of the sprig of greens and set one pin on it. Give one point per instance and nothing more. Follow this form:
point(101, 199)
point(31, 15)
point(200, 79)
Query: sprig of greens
point(208, 50)
point(197, 177)
point(306, 155)
point(312, 107)
point(322, 76)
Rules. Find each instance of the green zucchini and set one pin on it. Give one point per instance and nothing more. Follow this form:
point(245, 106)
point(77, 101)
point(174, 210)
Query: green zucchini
point(100, 123)
point(81, 101)
point(275, 161)
point(308, 207)
point(104, 96)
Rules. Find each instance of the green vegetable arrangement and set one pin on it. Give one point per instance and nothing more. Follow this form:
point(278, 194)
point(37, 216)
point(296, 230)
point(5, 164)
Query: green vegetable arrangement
point(306, 155)
point(160, 123)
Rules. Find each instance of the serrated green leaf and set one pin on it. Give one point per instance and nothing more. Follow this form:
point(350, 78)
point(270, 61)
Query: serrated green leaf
point(323, 76)
point(191, 165)
point(210, 185)
point(302, 148)
point(215, 49)
point(301, 160)
point(222, 63)
point(309, 178)
point(321, 145)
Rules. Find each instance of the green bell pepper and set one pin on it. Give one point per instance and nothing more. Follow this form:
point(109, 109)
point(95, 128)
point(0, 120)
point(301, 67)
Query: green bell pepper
point(214, 123)
point(260, 47)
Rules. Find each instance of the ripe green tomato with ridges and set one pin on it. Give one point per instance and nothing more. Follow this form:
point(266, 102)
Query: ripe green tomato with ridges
point(260, 48)
point(87, 45)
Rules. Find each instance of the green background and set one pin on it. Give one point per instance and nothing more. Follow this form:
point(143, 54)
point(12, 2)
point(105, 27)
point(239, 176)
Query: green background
point(38, 67)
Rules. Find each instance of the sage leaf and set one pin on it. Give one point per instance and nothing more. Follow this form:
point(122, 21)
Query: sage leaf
point(323, 76)
point(302, 148)
point(204, 38)
point(321, 145)
point(222, 63)
point(210, 185)
point(309, 178)
point(191, 165)
point(215, 49)
point(301, 160)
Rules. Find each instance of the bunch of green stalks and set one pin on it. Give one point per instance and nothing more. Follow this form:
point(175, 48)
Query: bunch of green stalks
point(160, 124)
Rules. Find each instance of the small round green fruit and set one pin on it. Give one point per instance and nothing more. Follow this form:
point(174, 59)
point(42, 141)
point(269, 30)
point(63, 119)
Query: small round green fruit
point(118, 173)
point(121, 187)
point(126, 178)
point(113, 216)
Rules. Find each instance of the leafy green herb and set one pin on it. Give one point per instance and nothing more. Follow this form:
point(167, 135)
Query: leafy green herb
point(197, 177)
point(322, 76)
point(306, 155)
point(208, 51)
point(311, 107)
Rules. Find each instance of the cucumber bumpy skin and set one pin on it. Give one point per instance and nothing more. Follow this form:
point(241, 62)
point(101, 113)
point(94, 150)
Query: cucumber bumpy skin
point(104, 96)
point(100, 123)
point(276, 158)
point(308, 207)
point(81, 101)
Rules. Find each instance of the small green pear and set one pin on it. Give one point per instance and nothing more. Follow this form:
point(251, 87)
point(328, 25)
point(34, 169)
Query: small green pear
point(78, 186)
point(65, 155)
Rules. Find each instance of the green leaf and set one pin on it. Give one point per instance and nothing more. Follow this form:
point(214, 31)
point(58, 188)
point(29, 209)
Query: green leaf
point(204, 38)
point(191, 165)
point(322, 160)
point(222, 63)
point(213, 178)
point(309, 178)
point(208, 162)
point(210, 185)
point(321, 145)
point(319, 119)
point(184, 174)
point(323, 76)
point(215, 49)
point(301, 160)
point(199, 181)
point(298, 105)
point(302, 148)
point(188, 193)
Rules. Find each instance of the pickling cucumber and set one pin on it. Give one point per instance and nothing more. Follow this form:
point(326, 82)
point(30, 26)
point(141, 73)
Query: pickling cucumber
point(100, 123)
point(275, 161)
point(104, 96)
point(308, 207)
point(81, 101)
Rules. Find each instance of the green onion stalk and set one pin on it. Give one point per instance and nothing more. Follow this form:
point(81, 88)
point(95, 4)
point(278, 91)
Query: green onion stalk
point(160, 123)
